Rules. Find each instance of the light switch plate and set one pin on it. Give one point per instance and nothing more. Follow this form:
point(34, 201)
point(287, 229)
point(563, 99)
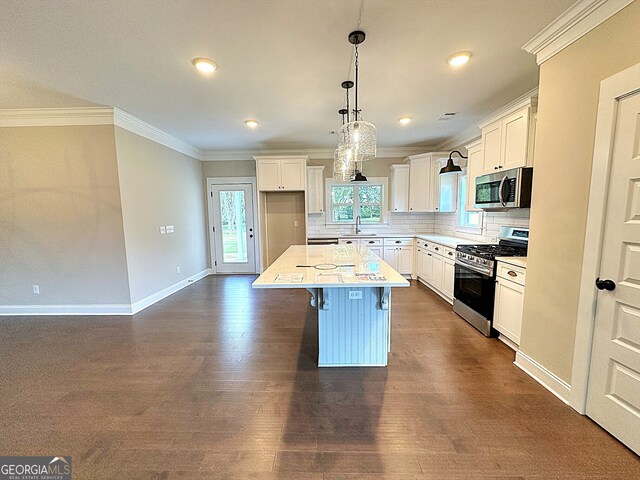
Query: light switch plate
point(162, 230)
point(170, 229)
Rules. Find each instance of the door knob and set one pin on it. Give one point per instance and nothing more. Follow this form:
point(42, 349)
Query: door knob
point(609, 285)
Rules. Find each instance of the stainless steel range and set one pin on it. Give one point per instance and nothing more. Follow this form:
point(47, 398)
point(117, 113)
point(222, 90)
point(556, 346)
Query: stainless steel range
point(474, 284)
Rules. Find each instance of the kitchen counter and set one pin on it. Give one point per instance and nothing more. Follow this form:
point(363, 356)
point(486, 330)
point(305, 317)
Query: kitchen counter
point(352, 300)
point(515, 261)
point(446, 240)
point(363, 261)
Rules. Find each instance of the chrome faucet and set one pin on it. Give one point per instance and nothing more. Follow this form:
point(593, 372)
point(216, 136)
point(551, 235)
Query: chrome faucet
point(358, 223)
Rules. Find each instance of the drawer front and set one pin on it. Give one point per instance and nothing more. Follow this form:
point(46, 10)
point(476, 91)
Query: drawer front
point(348, 241)
point(449, 253)
point(398, 242)
point(422, 243)
point(435, 248)
point(370, 242)
point(509, 272)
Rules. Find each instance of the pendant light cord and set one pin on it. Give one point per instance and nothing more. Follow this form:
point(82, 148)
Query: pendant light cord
point(356, 111)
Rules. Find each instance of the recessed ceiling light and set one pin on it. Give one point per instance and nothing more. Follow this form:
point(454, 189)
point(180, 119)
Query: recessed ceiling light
point(251, 123)
point(458, 59)
point(204, 65)
point(405, 120)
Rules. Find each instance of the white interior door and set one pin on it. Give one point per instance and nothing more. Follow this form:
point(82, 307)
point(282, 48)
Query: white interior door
point(613, 398)
point(233, 229)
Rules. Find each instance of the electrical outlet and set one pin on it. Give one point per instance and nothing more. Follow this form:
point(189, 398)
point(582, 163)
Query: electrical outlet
point(355, 295)
point(296, 223)
point(178, 269)
point(163, 230)
point(170, 229)
point(36, 290)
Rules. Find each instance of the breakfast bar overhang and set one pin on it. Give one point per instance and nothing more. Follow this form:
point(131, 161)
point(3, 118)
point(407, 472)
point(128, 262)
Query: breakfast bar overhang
point(351, 291)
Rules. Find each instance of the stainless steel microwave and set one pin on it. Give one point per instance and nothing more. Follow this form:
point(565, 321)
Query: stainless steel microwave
point(508, 189)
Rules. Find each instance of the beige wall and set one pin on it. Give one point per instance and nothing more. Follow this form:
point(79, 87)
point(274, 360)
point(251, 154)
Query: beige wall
point(234, 168)
point(60, 217)
point(160, 186)
point(568, 96)
point(282, 210)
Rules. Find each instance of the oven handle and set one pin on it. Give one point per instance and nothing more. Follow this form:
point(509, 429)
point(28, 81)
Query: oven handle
point(474, 268)
point(504, 179)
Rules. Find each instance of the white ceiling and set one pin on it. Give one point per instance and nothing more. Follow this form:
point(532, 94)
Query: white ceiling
point(281, 62)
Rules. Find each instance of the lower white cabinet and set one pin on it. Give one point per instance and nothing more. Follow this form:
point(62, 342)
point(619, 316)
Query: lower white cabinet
point(398, 252)
point(372, 243)
point(509, 301)
point(435, 268)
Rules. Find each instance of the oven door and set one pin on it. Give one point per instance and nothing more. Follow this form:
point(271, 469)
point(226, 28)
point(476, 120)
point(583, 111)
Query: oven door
point(475, 289)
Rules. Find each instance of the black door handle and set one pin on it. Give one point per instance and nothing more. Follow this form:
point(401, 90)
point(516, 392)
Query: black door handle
point(605, 284)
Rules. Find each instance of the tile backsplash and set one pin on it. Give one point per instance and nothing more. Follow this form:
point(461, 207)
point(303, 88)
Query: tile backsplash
point(410, 223)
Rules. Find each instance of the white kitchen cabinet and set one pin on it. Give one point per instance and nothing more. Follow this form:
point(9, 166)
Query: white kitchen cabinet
point(315, 189)
point(448, 277)
point(372, 243)
point(420, 183)
point(428, 190)
point(399, 198)
point(509, 302)
point(436, 268)
point(398, 252)
point(507, 138)
point(474, 167)
point(444, 188)
point(286, 173)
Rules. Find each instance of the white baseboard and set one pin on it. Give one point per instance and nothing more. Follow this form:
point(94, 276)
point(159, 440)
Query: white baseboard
point(103, 309)
point(165, 292)
point(544, 377)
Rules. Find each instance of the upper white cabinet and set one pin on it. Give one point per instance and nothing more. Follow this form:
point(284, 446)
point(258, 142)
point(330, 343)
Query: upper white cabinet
point(507, 137)
point(281, 173)
point(474, 167)
point(315, 189)
point(399, 198)
point(428, 190)
point(444, 188)
point(420, 183)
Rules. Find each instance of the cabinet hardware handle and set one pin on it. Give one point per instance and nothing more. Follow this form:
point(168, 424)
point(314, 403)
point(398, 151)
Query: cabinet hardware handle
point(250, 236)
point(450, 253)
point(512, 273)
point(397, 241)
point(429, 254)
point(436, 249)
point(371, 241)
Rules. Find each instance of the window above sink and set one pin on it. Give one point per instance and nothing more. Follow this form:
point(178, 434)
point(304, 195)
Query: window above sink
point(348, 200)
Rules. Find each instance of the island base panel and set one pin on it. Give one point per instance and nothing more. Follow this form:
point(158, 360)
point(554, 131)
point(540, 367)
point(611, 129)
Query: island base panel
point(353, 332)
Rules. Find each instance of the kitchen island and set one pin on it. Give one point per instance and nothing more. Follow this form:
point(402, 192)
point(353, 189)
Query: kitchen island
point(351, 291)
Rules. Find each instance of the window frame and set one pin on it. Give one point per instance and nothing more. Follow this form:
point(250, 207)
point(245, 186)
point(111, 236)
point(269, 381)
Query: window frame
point(371, 181)
point(464, 227)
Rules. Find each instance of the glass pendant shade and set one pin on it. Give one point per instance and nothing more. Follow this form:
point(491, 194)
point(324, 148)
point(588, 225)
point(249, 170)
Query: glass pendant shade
point(361, 137)
point(344, 166)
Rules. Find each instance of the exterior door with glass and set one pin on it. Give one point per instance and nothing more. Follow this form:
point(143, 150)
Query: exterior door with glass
point(233, 229)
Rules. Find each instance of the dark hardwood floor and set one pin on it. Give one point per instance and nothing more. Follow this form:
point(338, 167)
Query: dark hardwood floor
point(220, 381)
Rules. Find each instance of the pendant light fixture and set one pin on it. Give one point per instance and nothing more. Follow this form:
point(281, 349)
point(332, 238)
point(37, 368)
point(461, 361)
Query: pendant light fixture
point(343, 163)
point(450, 167)
point(357, 134)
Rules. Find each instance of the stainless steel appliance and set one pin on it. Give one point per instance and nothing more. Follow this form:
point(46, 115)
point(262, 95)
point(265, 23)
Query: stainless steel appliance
point(508, 189)
point(475, 276)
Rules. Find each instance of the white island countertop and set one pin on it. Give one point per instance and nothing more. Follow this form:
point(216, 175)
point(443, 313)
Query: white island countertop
point(285, 272)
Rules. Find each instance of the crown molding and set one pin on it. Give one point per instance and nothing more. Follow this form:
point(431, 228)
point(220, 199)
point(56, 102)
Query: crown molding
point(83, 116)
point(529, 99)
point(133, 124)
point(578, 20)
point(58, 117)
point(312, 154)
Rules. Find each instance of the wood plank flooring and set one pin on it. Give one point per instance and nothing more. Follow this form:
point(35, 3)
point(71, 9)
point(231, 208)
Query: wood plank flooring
point(220, 381)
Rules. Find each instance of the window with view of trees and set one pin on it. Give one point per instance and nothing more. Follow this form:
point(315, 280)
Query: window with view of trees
point(349, 201)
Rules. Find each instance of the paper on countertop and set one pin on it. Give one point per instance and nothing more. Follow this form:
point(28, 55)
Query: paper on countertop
point(329, 278)
point(370, 277)
point(289, 278)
